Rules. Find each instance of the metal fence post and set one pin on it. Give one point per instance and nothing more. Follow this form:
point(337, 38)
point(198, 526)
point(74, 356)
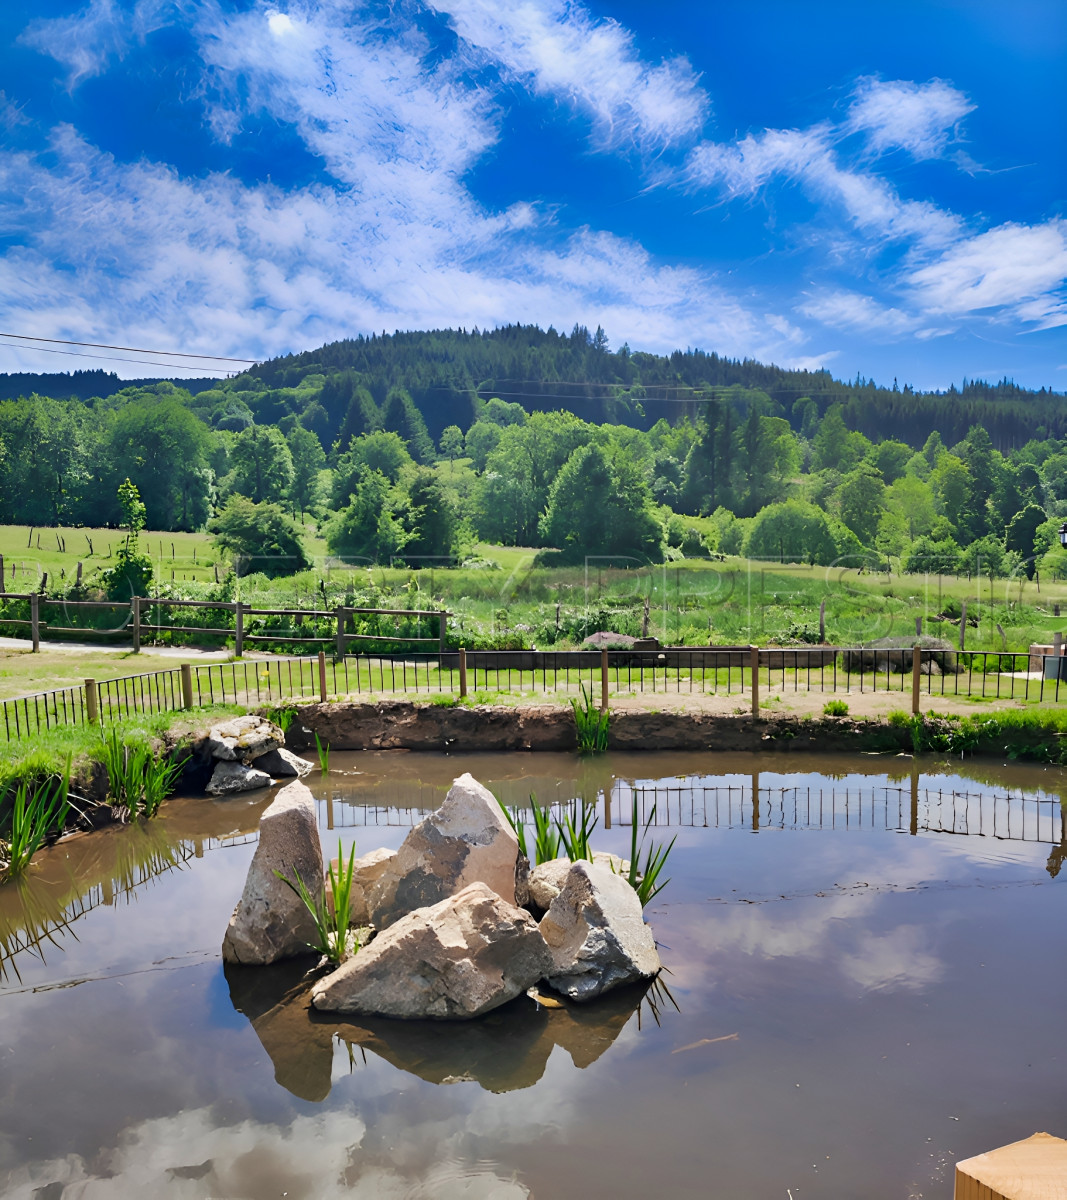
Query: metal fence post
point(754, 663)
point(340, 614)
point(187, 685)
point(603, 681)
point(92, 702)
point(322, 676)
point(239, 629)
point(137, 624)
point(35, 621)
point(462, 673)
point(916, 676)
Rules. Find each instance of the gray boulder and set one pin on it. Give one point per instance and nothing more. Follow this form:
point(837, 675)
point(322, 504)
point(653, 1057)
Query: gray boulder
point(242, 739)
point(457, 959)
point(270, 921)
point(596, 934)
point(230, 777)
point(547, 878)
point(467, 840)
point(366, 874)
point(283, 764)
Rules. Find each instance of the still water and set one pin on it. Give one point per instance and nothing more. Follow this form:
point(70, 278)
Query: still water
point(865, 981)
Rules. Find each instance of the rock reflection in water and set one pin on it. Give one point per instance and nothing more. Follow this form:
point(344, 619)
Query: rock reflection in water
point(504, 1051)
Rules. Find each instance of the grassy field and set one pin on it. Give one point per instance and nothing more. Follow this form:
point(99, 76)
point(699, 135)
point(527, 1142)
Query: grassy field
point(29, 553)
point(507, 601)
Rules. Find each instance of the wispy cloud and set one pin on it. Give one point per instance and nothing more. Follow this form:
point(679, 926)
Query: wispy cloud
point(1017, 270)
point(809, 158)
point(921, 118)
point(566, 53)
point(87, 41)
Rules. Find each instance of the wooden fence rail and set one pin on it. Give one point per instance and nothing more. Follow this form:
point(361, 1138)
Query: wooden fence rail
point(137, 622)
point(915, 675)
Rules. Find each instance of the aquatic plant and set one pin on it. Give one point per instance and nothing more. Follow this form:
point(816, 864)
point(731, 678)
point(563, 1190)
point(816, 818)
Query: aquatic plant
point(324, 754)
point(835, 708)
point(643, 877)
point(334, 938)
point(546, 837)
point(125, 767)
point(37, 809)
point(160, 776)
point(591, 724)
point(574, 834)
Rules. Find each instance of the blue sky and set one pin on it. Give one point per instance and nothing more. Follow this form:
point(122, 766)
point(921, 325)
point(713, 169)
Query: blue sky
point(877, 188)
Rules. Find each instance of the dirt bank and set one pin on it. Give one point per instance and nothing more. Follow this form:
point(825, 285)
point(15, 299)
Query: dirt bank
point(402, 725)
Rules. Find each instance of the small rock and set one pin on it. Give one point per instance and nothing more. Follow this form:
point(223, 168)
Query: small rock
point(270, 921)
point(283, 764)
point(231, 777)
point(241, 739)
point(597, 934)
point(547, 878)
point(459, 958)
point(366, 872)
point(467, 840)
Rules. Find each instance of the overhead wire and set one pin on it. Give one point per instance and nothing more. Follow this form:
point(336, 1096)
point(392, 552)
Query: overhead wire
point(25, 337)
point(146, 362)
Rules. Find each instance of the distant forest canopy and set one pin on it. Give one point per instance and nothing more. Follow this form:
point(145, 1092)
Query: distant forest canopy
point(450, 373)
point(419, 444)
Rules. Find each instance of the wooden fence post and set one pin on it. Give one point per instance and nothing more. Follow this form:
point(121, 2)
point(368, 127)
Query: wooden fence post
point(340, 614)
point(442, 629)
point(754, 663)
point(35, 621)
point(322, 676)
point(462, 673)
point(963, 625)
point(916, 676)
point(918, 627)
point(137, 624)
point(239, 629)
point(2, 586)
point(92, 702)
point(822, 623)
point(603, 681)
point(187, 685)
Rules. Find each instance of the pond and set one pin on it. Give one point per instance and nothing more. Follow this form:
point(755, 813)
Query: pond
point(865, 982)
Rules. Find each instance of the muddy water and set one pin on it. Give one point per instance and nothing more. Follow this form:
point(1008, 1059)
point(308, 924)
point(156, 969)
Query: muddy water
point(866, 982)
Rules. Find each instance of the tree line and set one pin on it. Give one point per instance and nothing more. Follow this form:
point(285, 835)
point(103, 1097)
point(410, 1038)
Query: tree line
point(355, 435)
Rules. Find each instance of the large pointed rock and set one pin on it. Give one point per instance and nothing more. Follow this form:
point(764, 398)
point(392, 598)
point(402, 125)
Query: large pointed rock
point(596, 934)
point(270, 921)
point(459, 958)
point(467, 840)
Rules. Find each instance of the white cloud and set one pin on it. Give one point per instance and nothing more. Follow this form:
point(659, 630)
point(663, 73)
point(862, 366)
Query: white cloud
point(594, 64)
point(808, 157)
point(921, 118)
point(1013, 269)
point(87, 41)
point(851, 310)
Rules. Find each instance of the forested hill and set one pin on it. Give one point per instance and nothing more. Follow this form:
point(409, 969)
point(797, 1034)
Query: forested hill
point(448, 372)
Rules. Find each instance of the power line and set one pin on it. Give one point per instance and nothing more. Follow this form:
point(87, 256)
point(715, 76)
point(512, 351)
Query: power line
point(143, 362)
point(132, 349)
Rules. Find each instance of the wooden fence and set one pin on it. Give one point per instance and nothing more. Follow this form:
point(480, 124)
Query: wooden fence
point(463, 674)
point(142, 621)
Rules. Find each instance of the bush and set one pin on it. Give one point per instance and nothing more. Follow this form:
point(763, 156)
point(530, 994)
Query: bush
point(835, 708)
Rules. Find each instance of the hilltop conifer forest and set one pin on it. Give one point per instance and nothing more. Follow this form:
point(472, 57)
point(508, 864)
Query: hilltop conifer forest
point(414, 448)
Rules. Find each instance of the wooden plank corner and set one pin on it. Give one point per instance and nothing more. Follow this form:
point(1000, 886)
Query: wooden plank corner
point(1032, 1169)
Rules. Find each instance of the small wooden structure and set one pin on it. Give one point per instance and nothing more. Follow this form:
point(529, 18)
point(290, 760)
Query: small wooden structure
point(1033, 1169)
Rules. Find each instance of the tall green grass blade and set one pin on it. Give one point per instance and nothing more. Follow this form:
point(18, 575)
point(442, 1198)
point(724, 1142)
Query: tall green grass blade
point(334, 939)
point(324, 755)
point(590, 724)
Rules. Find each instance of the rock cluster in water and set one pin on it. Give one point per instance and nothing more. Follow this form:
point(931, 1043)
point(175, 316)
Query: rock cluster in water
point(249, 753)
point(455, 936)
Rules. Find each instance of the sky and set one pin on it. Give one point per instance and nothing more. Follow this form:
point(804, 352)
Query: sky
point(875, 188)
